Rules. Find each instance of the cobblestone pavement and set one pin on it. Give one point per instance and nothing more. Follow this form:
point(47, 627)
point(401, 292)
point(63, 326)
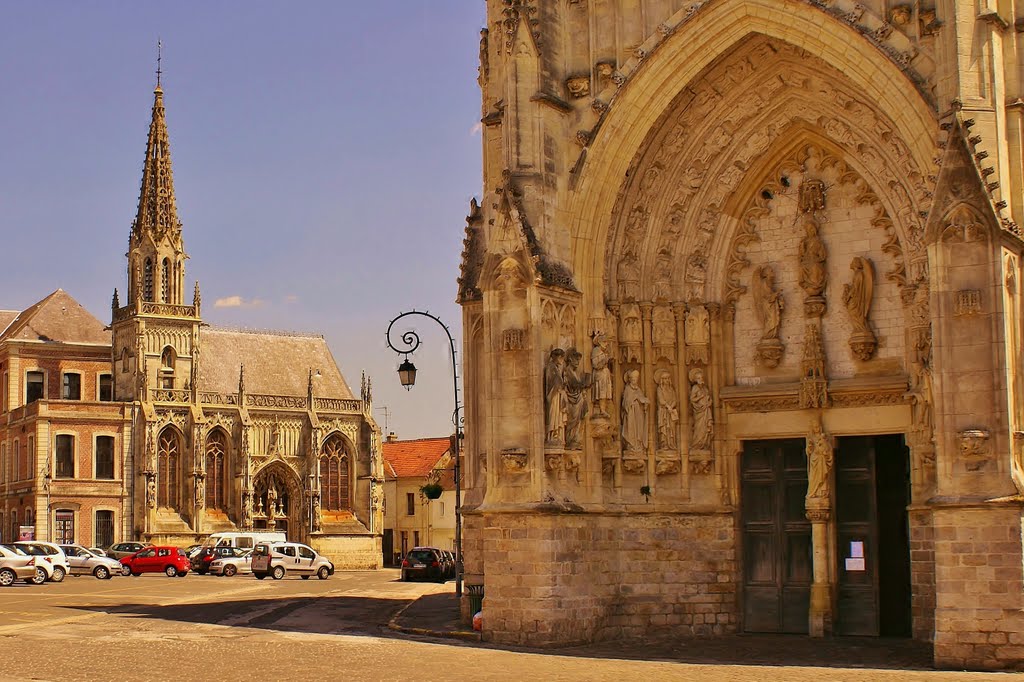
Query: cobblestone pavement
point(240, 628)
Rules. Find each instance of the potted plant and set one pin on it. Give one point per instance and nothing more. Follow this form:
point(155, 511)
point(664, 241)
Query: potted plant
point(432, 491)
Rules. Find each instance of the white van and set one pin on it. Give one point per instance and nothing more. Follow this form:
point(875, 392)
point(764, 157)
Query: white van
point(243, 539)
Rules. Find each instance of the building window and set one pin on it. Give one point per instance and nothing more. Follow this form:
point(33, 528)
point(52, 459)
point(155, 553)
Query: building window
point(147, 280)
point(65, 456)
point(167, 368)
point(334, 475)
point(124, 360)
point(215, 483)
point(167, 470)
point(5, 471)
point(3, 398)
point(14, 526)
point(415, 538)
point(104, 528)
point(64, 525)
point(165, 281)
point(410, 504)
point(106, 388)
point(16, 461)
point(105, 457)
point(33, 386)
point(405, 542)
point(72, 388)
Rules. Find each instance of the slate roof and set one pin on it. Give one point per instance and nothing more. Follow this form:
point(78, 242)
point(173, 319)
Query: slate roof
point(58, 318)
point(414, 458)
point(275, 363)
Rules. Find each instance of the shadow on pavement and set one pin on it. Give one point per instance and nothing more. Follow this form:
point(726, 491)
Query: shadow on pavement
point(369, 616)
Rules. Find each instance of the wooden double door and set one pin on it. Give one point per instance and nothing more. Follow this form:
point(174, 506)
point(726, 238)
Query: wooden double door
point(870, 534)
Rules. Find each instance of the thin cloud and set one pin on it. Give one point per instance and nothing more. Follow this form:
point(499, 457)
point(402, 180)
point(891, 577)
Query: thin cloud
point(475, 130)
point(237, 302)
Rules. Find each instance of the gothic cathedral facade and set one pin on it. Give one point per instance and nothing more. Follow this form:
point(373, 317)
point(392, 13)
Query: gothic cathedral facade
point(742, 322)
point(233, 429)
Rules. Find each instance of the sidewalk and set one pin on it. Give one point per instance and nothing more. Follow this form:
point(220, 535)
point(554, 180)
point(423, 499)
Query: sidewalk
point(436, 615)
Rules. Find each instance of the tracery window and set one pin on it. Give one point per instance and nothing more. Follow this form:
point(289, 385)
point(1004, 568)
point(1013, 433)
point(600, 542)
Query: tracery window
point(147, 280)
point(215, 468)
point(167, 469)
point(334, 483)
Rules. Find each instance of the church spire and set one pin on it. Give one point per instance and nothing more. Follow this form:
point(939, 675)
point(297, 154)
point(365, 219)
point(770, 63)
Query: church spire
point(158, 213)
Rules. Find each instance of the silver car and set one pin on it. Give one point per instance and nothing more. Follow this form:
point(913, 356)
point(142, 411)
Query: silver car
point(84, 562)
point(239, 562)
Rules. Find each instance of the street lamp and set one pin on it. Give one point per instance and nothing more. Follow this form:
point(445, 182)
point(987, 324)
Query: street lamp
point(409, 342)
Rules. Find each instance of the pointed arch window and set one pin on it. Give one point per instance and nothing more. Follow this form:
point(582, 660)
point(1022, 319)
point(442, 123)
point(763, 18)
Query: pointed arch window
point(147, 280)
point(165, 281)
point(167, 361)
point(167, 469)
point(334, 476)
point(124, 360)
point(216, 450)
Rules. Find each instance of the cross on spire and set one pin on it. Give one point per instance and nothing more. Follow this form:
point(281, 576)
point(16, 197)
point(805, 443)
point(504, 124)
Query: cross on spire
point(159, 57)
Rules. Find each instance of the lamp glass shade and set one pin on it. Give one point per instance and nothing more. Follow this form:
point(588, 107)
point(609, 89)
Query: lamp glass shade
point(407, 374)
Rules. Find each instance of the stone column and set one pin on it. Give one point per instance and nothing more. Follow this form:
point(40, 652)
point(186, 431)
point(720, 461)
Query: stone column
point(820, 616)
point(646, 310)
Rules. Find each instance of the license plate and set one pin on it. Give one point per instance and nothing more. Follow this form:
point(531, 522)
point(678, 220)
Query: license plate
point(419, 565)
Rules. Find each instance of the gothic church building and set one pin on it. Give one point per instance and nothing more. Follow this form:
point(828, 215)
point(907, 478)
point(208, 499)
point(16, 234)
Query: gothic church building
point(742, 322)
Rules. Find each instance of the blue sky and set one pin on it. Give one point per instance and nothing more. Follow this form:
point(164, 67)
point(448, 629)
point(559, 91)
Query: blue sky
point(324, 156)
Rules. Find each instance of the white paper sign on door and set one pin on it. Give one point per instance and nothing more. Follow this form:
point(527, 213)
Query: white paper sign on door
point(855, 564)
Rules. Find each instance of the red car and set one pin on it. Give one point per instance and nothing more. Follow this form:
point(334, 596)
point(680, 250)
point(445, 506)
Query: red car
point(169, 560)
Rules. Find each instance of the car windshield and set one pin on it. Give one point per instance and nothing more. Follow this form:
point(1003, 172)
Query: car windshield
point(33, 549)
point(13, 549)
point(421, 555)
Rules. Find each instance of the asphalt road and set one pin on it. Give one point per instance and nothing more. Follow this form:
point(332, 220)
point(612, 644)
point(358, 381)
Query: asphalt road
point(206, 627)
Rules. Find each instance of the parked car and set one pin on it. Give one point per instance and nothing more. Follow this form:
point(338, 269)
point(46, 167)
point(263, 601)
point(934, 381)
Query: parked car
point(281, 558)
point(50, 553)
point(97, 551)
point(244, 539)
point(424, 563)
point(85, 562)
point(203, 558)
point(44, 569)
point(123, 549)
point(240, 561)
point(16, 565)
point(169, 560)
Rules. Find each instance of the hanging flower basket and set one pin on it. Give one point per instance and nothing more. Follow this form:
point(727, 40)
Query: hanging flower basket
point(432, 491)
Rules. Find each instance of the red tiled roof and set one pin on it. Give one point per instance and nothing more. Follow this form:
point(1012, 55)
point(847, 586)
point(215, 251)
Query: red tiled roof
point(416, 458)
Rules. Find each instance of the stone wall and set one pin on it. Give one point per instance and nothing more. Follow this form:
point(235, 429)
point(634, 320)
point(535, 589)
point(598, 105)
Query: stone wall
point(350, 552)
point(561, 579)
point(922, 575)
point(979, 621)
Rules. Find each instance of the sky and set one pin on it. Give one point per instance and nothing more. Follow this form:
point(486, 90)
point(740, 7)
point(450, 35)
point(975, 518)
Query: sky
point(324, 156)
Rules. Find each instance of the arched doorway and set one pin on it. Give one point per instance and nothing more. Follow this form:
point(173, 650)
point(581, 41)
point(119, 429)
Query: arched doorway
point(278, 501)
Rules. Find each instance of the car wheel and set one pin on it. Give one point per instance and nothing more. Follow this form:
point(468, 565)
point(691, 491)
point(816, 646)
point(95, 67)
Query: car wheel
point(125, 571)
point(229, 571)
point(323, 573)
point(260, 576)
point(7, 577)
point(171, 571)
point(277, 573)
point(102, 572)
point(40, 576)
point(58, 574)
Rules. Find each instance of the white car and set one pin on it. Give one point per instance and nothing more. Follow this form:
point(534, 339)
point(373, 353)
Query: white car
point(85, 562)
point(53, 558)
point(231, 565)
point(277, 559)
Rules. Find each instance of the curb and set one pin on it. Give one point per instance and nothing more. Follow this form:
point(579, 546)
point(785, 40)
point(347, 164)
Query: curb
point(426, 632)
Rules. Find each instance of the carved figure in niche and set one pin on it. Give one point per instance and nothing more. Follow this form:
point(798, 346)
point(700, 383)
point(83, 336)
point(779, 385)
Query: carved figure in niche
point(696, 276)
point(554, 398)
point(631, 332)
point(703, 425)
point(857, 299)
point(600, 361)
point(246, 510)
point(663, 277)
point(819, 464)
point(318, 516)
point(629, 278)
point(485, 67)
point(151, 491)
point(576, 405)
point(634, 414)
point(768, 305)
point(668, 410)
point(663, 326)
point(921, 397)
point(697, 334)
point(200, 491)
point(813, 276)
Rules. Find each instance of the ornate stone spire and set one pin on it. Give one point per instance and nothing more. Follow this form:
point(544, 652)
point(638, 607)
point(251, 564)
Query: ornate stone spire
point(158, 213)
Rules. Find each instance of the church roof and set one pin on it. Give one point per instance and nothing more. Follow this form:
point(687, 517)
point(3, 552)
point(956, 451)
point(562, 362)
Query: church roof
point(414, 458)
point(58, 318)
point(275, 363)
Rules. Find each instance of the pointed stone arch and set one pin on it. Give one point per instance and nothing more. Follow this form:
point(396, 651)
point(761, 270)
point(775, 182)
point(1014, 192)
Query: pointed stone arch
point(170, 462)
point(216, 465)
point(334, 464)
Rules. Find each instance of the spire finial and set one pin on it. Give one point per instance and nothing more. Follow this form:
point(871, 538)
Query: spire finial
point(159, 57)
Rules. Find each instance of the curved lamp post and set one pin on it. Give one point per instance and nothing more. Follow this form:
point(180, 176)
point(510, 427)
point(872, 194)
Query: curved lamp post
point(407, 343)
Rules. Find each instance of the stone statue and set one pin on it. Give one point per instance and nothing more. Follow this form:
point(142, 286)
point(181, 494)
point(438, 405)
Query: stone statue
point(576, 405)
point(819, 463)
point(246, 510)
point(151, 491)
point(857, 294)
point(697, 334)
point(663, 326)
point(813, 276)
point(703, 425)
point(600, 361)
point(629, 278)
point(271, 503)
point(634, 414)
point(318, 517)
point(668, 410)
point(768, 303)
point(200, 487)
point(554, 398)
point(922, 398)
